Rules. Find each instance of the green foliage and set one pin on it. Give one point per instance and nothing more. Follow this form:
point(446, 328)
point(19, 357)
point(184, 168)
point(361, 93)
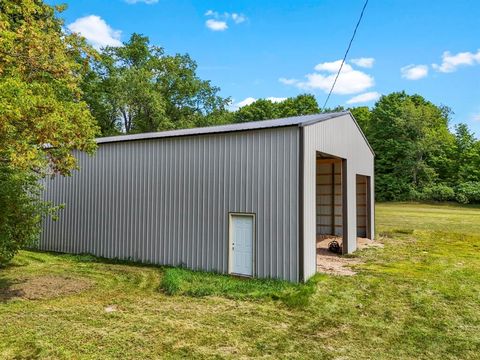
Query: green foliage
point(439, 192)
point(40, 99)
point(362, 114)
point(417, 157)
point(138, 88)
point(264, 109)
point(43, 119)
point(304, 104)
point(466, 153)
point(412, 142)
point(171, 281)
point(261, 109)
point(468, 192)
point(176, 281)
point(21, 211)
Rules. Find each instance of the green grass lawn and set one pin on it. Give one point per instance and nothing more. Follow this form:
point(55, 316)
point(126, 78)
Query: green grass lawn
point(417, 298)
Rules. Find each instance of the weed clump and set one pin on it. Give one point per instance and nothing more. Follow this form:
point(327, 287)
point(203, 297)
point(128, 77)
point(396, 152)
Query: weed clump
point(178, 281)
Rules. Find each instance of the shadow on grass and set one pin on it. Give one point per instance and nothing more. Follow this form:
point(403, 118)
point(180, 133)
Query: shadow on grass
point(89, 258)
point(392, 233)
point(7, 292)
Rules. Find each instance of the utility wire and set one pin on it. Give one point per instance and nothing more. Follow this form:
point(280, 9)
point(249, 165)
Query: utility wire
point(346, 53)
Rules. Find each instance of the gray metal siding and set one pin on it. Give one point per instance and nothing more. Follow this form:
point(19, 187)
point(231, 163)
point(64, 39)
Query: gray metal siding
point(166, 201)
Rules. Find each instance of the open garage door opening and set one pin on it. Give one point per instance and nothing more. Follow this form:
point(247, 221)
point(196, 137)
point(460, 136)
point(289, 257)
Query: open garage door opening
point(331, 212)
point(363, 207)
point(329, 205)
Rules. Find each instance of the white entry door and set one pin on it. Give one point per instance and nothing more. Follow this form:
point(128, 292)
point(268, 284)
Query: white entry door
point(241, 244)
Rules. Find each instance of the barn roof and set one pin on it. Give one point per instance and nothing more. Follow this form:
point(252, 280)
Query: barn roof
point(264, 124)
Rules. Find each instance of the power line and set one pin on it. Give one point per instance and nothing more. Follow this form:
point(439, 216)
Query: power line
point(346, 53)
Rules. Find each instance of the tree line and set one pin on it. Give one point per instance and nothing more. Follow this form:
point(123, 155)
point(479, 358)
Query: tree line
point(57, 94)
point(138, 88)
point(418, 156)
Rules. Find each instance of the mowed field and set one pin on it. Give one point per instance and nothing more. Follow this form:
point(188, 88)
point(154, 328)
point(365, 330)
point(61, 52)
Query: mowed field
point(418, 297)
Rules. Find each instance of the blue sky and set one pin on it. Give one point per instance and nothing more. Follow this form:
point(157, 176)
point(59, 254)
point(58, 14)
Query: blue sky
point(260, 49)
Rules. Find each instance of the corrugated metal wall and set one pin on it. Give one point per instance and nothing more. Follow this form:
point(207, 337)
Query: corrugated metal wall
point(342, 138)
point(166, 201)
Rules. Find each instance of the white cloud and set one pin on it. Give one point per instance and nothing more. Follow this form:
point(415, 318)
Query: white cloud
point(332, 66)
point(96, 31)
point(149, 2)
point(288, 81)
point(476, 117)
point(363, 98)
point(251, 100)
point(350, 81)
point(211, 13)
point(216, 25)
point(245, 102)
point(238, 18)
point(414, 72)
point(364, 62)
point(219, 22)
point(276, 99)
point(450, 62)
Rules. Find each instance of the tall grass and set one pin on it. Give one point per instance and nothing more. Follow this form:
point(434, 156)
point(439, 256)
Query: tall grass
point(176, 281)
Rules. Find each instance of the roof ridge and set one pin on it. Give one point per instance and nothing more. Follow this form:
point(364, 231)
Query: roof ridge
point(301, 120)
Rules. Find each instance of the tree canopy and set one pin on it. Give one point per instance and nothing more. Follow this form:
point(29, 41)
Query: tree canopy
point(138, 88)
point(411, 140)
point(263, 109)
point(418, 157)
point(42, 116)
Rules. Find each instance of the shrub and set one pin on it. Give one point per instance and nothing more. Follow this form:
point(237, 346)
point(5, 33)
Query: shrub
point(439, 192)
point(415, 195)
point(461, 198)
point(388, 188)
point(21, 211)
point(468, 192)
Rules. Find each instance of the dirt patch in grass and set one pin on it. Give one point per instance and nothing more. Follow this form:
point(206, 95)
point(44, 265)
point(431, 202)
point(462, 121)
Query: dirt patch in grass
point(42, 287)
point(335, 264)
point(364, 243)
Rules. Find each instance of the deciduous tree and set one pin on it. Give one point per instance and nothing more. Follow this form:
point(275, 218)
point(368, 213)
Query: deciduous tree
point(263, 109)
point(411, 139)
point(138, 88)
point(42, 117)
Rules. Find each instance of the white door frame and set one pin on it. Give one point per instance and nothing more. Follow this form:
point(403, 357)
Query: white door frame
point(230, 240)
